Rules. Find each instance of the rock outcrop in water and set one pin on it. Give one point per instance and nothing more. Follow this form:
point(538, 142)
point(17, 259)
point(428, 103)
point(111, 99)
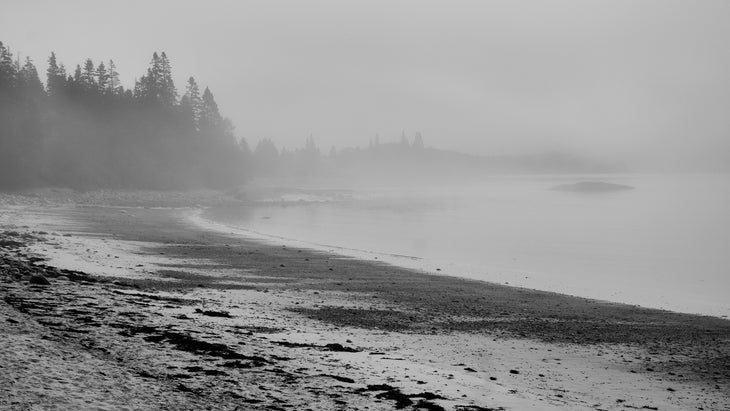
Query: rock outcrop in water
point(592, 187)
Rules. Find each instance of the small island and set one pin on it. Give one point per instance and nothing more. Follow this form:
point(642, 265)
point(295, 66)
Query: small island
point(592, 187)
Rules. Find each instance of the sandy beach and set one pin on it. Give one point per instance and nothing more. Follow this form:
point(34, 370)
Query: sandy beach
point(112, 305)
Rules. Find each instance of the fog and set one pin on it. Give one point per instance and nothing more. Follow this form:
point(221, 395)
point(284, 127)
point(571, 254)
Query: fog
point(639, 83)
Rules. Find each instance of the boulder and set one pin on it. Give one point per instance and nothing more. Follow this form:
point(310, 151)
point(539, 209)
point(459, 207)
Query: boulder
point(38, 280)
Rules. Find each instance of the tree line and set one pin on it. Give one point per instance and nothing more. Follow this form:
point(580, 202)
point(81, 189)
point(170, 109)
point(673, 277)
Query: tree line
point(83, 129)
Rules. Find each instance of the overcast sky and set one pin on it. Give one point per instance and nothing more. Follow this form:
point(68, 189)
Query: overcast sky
point(633, 79)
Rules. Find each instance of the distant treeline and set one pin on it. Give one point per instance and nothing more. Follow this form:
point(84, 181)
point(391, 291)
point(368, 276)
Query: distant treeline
point(405, 161)
point(84, 130)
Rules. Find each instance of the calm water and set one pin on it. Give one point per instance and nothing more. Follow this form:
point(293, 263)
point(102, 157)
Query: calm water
point(665, 244)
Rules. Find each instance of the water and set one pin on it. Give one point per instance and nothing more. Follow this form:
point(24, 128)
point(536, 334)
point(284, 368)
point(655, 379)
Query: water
point(665, 244)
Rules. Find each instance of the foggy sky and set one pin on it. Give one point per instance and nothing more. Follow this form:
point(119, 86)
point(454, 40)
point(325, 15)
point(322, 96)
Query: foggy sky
point(647, 81)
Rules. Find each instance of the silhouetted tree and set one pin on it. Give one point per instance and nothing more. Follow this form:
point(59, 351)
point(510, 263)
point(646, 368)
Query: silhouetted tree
point(113, 78)
point(7, 68)
point(55, 77)
point(418, 141)
point(210, 118)
point(403, 140)
point(28, 81)
point(102, 78)
point(167, 91)
point(88, 78)
point(196, 104)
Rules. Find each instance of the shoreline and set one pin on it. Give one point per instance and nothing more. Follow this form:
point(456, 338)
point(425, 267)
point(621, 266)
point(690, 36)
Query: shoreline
point(429, 267)
point(342, 299)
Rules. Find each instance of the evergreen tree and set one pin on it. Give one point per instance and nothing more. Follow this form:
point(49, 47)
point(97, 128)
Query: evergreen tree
point(113, 78)
point(404, 140)
point(28, 81)
point(418, 141)
point(55, 77)
point(7, 68)
point(186, 113)
point(157, 85)
point(210, 118)
point(77, 75)
point(102, 78)
point(196, 103)
point(168, 93)
point(88, 77)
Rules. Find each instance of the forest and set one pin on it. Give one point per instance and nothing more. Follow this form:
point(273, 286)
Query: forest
point(83, 129)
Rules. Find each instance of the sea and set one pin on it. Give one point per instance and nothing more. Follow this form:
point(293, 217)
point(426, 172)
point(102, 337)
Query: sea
point(664, 244)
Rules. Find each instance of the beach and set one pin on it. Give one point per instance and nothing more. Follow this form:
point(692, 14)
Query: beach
point(144, 309)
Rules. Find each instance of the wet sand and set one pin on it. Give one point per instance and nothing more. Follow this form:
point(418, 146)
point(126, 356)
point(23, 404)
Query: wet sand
point(211, 320)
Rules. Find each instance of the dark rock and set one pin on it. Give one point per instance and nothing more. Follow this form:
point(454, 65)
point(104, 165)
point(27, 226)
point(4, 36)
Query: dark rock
point(38, 280)
point(514, 372)
point(427, 396)
point(401, 400)
point(429, 406)
point(341, 379)
point(213, 313)
point(340, 348)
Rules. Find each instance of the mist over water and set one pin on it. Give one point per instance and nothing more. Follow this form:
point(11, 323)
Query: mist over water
point(664, 244)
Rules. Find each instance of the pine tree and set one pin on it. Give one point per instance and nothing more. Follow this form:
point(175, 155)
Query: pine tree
point(77, 74)
point(404, 140)
point(113, 78)
point(8, 69)
point(418, 141)
point(154, 79)
point(210, 118)
point(88, 76)
point(168, 93)
point(186, 112)
point(55, 77)
point(29, 81)
point(102, 78)
point(196, 104)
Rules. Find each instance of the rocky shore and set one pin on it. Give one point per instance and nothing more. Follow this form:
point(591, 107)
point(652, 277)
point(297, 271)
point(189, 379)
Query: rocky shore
point(166, 316)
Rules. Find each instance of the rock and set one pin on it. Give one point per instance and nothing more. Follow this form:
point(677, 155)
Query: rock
point(514, 372)
point(339, 348)
point(213, 313)
point(62, 277)
point(339, 378)
point(38, 280)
